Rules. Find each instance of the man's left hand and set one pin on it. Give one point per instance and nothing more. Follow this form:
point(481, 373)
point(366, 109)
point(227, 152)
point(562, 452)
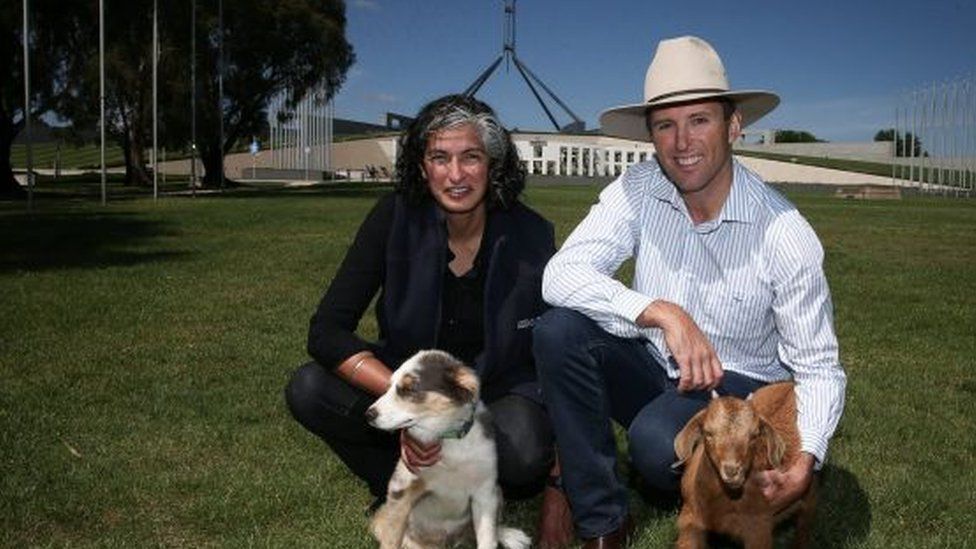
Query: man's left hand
point(782, 488)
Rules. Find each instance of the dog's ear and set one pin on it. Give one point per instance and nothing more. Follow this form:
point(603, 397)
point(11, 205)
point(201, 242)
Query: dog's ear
point(687, 439)
point(465, 381)
point(775, 448)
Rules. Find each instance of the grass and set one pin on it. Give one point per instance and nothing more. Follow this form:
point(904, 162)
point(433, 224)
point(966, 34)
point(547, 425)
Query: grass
point(144, 346)
point(49, 154)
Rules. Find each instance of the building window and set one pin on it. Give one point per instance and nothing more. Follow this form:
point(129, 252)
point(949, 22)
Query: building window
point(536, 166)
point(537, 150)
point(616, 156)
point(643, 157)
point(630, 157)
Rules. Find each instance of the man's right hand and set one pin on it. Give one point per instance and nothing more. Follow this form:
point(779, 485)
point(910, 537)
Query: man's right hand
point(700, 368)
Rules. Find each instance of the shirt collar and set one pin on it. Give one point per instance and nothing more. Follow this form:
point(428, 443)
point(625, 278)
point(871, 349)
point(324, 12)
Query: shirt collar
point(740, 206)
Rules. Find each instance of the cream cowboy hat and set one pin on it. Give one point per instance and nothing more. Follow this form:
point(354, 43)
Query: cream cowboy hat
point(683, 69)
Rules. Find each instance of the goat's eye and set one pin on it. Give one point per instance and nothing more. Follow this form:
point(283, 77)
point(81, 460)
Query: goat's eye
point(753, 435)
point(709, 434)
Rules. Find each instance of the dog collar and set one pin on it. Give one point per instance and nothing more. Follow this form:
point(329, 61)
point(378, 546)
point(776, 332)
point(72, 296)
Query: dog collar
point(461, 431)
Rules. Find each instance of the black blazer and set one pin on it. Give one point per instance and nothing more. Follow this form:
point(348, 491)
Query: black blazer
point(401, 251)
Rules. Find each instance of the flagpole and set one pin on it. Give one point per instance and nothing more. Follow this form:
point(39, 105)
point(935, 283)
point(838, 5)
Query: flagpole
point(27, 113)
point(155, 58)
point(101, 86)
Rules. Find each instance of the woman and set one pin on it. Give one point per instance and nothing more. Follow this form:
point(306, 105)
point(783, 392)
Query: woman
point(457, 261)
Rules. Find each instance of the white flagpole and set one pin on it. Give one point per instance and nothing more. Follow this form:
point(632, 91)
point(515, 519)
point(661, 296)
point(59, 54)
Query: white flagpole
point(27, 113)
point(155, 59)
point(101, 85)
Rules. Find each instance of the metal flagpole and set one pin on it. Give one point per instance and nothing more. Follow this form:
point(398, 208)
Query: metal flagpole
point(27, 113)
point(155, 63)
point(101, 86)
point(220, 85)
point(895, 138)
point(193, 98)
point(914, 158)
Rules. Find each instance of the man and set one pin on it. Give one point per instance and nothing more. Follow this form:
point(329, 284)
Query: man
point(728, 293)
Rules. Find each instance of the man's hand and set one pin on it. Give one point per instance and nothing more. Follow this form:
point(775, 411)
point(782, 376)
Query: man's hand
point(415, 455)
point(782, 488)
point(697, 360)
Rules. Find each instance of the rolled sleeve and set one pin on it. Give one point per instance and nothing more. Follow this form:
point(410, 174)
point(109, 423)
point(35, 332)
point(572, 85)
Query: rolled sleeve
point(580, 275)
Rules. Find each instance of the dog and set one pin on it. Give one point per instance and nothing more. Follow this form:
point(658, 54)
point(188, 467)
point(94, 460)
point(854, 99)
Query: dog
point(435, 397)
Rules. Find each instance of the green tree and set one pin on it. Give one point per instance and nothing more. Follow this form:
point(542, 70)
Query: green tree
point(795, 136)
point(58, 55)
point(906, 144)
point(269, 48)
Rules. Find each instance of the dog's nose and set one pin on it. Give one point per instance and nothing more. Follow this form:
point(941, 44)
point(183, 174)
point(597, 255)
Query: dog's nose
point(371, 414)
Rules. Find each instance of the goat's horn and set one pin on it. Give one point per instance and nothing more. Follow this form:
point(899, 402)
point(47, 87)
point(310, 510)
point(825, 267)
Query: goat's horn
point(714, 394)
point(750, 396)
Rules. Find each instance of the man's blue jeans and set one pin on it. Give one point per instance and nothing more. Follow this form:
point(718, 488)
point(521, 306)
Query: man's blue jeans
point(590, 377)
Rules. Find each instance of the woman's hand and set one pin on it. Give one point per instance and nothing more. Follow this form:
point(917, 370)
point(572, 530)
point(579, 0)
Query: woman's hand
point(415, 454)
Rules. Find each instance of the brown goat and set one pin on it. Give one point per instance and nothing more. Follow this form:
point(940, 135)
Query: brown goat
point(721, 446)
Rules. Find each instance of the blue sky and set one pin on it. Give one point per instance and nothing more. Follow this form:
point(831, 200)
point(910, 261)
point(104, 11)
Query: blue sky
point(838, 66)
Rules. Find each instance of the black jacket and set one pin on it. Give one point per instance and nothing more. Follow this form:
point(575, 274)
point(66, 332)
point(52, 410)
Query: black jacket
point(401, 251)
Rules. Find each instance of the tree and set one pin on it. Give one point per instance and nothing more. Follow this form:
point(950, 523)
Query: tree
point(269, 48)
point(906, 144)
point(58, 54)
point(795, 136)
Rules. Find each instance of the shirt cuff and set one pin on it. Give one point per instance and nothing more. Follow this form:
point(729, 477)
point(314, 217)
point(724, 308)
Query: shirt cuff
point(630, 304)
point(815, 446)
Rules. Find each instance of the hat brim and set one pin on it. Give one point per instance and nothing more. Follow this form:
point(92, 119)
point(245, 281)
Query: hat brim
point(630, 121)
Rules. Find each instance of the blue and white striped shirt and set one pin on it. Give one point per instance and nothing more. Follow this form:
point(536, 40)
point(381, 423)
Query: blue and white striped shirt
point(752, 279)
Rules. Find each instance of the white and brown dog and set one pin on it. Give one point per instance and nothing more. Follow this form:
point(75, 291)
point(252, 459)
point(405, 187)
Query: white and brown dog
point(434, 397)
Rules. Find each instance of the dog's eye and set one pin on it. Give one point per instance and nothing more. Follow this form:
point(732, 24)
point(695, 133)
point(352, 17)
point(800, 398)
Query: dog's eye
point(405, 389)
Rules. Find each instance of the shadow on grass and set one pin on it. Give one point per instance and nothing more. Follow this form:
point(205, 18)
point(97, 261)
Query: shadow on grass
point(79, 240)
point(843, 513)
point(843, 510)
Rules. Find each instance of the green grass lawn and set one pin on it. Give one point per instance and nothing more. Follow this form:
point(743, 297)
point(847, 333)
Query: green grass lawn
point(144, 347)
point(68, 156)
point(923, 171)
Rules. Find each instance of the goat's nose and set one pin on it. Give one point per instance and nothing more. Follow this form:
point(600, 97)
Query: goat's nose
point(371, 414)
point(731, 471)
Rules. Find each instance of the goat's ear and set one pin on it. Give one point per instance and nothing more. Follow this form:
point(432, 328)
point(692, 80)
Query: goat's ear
point(775, 447)
point(687, 439)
